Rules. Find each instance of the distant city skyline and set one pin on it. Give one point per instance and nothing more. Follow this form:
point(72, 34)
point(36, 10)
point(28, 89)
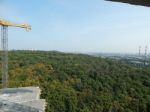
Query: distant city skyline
point(78, 25)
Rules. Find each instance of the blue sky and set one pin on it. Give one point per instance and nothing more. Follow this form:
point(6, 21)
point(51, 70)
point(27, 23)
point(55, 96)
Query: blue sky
point(77, 25)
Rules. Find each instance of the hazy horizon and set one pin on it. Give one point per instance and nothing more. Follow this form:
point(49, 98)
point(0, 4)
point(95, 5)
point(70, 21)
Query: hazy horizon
point(77, 26)
point(121, 53)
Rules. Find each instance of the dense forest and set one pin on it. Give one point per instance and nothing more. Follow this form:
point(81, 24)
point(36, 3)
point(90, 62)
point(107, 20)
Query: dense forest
point(81, 83)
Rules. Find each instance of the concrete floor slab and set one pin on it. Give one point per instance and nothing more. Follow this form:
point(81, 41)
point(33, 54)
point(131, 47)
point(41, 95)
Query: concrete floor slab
point(25, 98)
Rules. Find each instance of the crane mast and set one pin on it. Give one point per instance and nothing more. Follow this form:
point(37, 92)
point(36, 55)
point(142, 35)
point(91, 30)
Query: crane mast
point(4, 45)
point(4, 58)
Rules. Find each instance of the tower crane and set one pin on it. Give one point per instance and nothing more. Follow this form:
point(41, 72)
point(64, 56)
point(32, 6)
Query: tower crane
point(4, 44)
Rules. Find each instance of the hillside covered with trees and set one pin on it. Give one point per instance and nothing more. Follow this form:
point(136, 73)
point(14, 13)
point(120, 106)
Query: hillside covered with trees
point(81, 83)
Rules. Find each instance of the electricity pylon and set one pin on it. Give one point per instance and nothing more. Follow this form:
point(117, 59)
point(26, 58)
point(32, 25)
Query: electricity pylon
point(4, 44)
point(139, 50)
